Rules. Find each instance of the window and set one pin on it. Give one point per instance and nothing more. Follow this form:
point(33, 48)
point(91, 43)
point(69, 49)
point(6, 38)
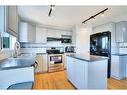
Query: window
point(8, 41)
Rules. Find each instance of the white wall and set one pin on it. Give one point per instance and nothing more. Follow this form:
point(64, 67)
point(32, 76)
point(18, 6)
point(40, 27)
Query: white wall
point(83, 39)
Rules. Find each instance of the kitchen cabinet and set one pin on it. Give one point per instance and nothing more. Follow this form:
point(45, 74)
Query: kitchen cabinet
point(41, 59)
point(13, 76)
point(27, 32)
point(9, 20)
point(79, 73)
point(65, 59)
point(118, 67)
point(53, 33)
point(41, 36)
point(76, 73)
point(70, 68)
point(121, 31)
point(66, 33)
point(87, 74)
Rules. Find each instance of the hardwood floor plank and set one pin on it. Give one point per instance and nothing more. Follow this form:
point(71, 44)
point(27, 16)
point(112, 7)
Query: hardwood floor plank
point(58, 80)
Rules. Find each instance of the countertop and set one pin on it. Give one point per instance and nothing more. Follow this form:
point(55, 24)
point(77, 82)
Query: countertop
point(13, 63)
point(118, 54)
point(87, 57)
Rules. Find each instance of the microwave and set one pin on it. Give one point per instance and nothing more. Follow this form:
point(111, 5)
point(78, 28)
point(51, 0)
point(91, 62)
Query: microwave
point(66, 40)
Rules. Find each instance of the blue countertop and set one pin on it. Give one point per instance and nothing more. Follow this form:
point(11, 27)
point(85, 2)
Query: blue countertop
point(13, 63)
point(88, 57)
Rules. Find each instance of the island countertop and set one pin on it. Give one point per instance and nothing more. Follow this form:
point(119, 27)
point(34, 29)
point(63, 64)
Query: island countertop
point(87, 57)
point(13, 63)
point(119, 54)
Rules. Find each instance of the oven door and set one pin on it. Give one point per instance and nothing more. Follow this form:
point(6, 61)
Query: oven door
point(55, 59)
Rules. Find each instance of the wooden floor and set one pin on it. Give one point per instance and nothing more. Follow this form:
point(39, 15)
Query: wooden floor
point(58, 80)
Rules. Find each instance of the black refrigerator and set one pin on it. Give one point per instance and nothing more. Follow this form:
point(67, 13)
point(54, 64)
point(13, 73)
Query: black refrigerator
point(100, 45)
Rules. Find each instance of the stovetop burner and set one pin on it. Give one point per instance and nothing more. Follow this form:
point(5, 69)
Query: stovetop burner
point(54, 51)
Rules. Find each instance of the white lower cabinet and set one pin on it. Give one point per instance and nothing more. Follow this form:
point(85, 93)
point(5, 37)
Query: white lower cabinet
point(118, 67)
point(41, 59)
point(65, 58)
point(76, 73)
point(70, 73)
point(79, 74)
point(87, 75)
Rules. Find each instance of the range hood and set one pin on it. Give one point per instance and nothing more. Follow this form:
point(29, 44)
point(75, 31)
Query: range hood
point(53, 39)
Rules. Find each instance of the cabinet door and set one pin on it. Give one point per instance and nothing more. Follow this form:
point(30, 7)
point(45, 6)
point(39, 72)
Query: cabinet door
point(44, 63)
point(68, 32)
point(50, 33)
point(79, 74)
point(70, 68)
point(31, 29)
point(57, 33)
point(122, 67)
point(121, 31)
point(2, 17)
point(115, 66)
point(41, 35)
point(12, 19)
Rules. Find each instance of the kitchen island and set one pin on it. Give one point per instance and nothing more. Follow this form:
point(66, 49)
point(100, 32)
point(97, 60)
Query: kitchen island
point(16, 71)
point(87, 71)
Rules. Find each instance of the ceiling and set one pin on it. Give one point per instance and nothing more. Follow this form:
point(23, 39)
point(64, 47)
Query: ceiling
point(68, 16)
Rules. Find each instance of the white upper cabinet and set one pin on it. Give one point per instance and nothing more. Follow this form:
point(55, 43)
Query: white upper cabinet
point(27, 32)
point(66, 33)
point(57, 33)
point(121, 31)
point(53, 33)
point(13, 18)
point(9, 19)
point(41, 36)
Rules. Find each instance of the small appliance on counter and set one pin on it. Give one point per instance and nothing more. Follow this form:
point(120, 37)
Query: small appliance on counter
point(69, 49)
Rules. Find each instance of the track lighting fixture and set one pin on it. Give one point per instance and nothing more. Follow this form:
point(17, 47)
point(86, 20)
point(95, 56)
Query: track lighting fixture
point(102, 14)
point(93, 17)
point(51, 8)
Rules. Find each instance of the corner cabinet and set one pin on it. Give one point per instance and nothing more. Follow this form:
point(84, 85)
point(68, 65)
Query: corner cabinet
point(27, 32)
point(121, 31)
point(9, 19)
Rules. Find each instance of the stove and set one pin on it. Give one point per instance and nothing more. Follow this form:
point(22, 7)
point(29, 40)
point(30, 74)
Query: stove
point(55, 60)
